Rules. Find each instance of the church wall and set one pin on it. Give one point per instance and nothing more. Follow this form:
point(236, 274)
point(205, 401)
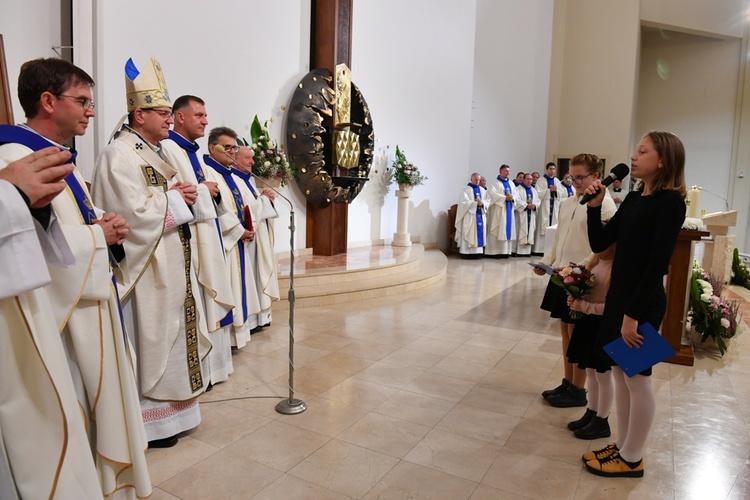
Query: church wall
point(30, 29)
point(511, 86)
point(675, 71)
point(723, 17)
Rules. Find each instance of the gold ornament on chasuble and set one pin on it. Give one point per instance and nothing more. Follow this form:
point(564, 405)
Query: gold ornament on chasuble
point(154, 178)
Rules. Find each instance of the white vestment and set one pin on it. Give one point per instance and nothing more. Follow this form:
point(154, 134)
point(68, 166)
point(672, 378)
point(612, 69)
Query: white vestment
point(208, 260)
point(502, 230)
point(266, 273)
point(239, 254)
point(565, 194)
point(102, 364)
point(471, 230)
point(43, 433)
point(158, 282)
point(548, 211)
point(526, 220)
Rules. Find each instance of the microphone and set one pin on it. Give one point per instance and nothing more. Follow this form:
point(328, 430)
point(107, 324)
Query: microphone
point(618, 173)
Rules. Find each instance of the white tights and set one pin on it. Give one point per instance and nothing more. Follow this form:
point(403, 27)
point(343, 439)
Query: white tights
point(636, 407)
point(601, 392)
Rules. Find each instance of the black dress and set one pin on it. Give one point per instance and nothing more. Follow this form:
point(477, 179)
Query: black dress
point(645, 229)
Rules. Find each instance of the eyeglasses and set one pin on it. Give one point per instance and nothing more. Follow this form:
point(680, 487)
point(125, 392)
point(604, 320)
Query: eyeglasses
point(84, 102)
point(579, 180)
point(164, 114)
point(231, 148)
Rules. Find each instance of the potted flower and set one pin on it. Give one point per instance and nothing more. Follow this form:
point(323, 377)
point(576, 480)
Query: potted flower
point(711, 316)
point(740, 272)
point(406, 174)
point(269, 160)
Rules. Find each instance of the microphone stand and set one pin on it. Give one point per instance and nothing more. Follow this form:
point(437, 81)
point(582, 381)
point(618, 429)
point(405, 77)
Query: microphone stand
point(288, 406)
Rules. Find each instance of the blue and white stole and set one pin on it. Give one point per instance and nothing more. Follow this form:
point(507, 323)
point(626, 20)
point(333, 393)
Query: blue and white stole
point(550, 183)
point(570, 190)
point(508, 207)
point(246, 177)
point(26, 137)
point(480, 218)
point(529, 199)
point(190, 149)
point(226, 174)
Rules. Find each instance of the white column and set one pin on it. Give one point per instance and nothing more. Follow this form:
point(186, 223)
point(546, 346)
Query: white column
point(401, 237)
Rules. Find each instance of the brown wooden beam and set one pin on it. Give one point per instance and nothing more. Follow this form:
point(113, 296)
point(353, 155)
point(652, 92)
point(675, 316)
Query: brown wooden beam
point(6, 106)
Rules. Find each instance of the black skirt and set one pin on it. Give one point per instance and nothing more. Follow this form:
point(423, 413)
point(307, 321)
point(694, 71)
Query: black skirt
point(555, 301)
point(582, 349)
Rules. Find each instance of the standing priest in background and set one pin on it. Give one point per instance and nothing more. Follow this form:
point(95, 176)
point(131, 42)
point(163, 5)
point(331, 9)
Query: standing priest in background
point(206, 242)
point(502, 229)
point(526, 206)
point(471, 219)
point(550, 194)
point(161, 296)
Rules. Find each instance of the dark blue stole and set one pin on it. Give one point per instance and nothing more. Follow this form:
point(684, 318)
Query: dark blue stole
point(508, 207)
point(480, 219)
point(570, 190)
point(226, 174)
point(246, 177)
point(552, 196)
point(529, 199)
point(34, 141)
point(191, 148)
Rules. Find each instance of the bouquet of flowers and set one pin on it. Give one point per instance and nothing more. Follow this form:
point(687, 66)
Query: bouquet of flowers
point(577, 281)
point(710, 315)
point(269, 160)
point(405, 172)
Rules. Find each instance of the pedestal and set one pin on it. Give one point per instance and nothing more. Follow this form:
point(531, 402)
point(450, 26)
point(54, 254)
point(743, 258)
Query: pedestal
point(401, 237)
point(680, 270)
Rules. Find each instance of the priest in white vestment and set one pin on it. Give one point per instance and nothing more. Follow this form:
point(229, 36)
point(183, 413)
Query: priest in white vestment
point(83, 296)
point(471, 219)
point(549, 188)
point(160, 290)
point(237, 238)
point(502, 231)
point(567, 189)
point(264, 211)
point(45, 449)
point(527, 203)
point(208, 258)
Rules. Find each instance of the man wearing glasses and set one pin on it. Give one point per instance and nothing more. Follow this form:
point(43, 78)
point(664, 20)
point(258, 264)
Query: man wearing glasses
point(160, 292)
point(56, 98)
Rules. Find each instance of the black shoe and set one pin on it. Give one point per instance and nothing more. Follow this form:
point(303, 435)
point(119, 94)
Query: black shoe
point(266, 325)
point(583, 421)
point(557, 390)
point(597, 428)
point(255, 330)
point(209, 387)
point(572, 397)
point(163, 443)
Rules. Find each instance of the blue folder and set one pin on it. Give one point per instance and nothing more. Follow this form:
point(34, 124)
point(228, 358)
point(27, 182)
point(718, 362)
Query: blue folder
point(633, 360)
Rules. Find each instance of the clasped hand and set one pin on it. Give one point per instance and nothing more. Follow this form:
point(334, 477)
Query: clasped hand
point(115, 228)
point(188, 191)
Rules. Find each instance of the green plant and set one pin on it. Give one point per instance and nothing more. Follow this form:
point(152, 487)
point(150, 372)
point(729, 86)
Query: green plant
point(268, 160)
point(740, 272)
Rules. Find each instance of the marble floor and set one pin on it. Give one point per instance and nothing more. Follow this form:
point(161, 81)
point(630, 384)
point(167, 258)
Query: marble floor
point(435, 395)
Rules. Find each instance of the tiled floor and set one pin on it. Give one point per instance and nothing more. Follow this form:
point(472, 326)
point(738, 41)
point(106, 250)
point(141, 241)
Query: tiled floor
point(435, 394)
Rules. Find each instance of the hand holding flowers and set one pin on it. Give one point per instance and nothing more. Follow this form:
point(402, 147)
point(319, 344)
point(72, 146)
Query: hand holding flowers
point(577, 281)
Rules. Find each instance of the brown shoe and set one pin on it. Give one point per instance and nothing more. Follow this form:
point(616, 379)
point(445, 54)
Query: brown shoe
point(615, 466)
point(600, 454)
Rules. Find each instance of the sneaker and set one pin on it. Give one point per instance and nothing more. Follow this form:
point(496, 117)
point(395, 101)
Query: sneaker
point(597, 428)
point(600, 454)
point(572, 397)
point(557, 390)
point(583, 421)
point(615, 466)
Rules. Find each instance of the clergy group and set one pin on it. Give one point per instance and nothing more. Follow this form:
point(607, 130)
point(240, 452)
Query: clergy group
point(122, 300)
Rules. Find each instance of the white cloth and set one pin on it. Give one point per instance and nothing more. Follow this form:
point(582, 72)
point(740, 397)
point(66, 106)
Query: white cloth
point(548, 211)
point(468, 229)
point(617, 195)
point(571, 241)
point(244, 289)
point(564, 193)
point(159, 281)
point(101, 362)
point(526, 220)
point(498, 242)
point(43, 433)
point(209, 262)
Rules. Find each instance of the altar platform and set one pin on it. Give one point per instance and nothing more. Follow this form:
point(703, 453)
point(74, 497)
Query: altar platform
point(361, 273)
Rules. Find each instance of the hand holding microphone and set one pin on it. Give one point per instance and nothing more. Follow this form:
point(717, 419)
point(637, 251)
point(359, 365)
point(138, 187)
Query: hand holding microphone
point(595, 192)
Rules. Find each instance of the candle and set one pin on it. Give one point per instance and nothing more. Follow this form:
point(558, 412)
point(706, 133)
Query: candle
point(692, 201)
